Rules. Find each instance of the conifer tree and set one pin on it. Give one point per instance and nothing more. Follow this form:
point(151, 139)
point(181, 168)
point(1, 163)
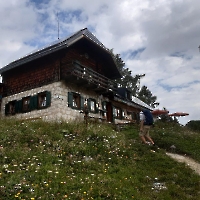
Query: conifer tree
point(132, 83)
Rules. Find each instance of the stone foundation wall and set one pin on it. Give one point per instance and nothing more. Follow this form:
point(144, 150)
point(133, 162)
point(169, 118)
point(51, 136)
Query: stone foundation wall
point(59, 109)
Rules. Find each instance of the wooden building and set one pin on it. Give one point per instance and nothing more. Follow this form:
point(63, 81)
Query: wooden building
point(56, 82)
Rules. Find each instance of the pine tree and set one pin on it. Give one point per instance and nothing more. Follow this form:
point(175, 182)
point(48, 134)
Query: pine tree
point(146, 96)
point(132, 83)
point(127, 81)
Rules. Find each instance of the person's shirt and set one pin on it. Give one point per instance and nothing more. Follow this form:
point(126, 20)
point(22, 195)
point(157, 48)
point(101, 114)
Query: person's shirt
point(142, 116)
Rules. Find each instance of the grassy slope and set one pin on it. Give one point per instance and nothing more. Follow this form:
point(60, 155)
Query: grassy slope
point(69, 161)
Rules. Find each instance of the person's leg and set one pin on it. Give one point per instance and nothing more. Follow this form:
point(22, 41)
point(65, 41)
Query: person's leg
point(141, 134)
point(149, 139)
point(143, 139)
point(147, 128)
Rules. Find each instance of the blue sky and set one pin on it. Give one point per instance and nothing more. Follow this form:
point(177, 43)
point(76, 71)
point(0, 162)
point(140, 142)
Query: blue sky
point(157, 37)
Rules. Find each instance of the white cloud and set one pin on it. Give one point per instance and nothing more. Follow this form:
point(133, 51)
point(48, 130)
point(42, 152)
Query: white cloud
point(157, 37)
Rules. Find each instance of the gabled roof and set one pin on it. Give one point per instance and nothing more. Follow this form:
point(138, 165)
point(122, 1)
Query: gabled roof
point(55, 46)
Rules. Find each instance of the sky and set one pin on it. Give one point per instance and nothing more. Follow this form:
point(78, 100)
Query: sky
point(158, 38)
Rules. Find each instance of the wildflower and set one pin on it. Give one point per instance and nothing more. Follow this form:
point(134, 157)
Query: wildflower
point(5, 166)
point(17, 195)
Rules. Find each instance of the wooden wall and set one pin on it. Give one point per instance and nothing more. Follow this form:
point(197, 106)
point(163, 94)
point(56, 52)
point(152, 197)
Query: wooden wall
point(50, 68)
point(84, 56)
point(31, 75)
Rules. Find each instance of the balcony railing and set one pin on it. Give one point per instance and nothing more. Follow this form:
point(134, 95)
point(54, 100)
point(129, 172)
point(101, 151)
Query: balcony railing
point(90, 76)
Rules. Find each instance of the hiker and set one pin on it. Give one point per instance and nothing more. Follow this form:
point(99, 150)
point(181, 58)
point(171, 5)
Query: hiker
point(146, 120)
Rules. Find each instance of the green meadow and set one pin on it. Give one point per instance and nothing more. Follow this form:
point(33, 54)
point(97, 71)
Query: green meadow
point(58, 160)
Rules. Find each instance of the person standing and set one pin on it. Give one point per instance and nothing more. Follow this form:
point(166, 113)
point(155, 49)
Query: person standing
point(146, 120)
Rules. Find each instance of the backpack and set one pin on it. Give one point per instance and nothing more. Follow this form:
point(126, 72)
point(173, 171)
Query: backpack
point(148, 118)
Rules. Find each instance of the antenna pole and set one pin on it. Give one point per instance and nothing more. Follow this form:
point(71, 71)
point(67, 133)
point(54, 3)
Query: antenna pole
point(58, 26)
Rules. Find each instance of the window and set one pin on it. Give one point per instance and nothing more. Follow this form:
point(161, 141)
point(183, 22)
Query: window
point(26, 104)
point(104, 108)
point(92, 105)
point(44, 99)
point(123, 114)
point(10, 108)
point(117, 113)
point(75, 100)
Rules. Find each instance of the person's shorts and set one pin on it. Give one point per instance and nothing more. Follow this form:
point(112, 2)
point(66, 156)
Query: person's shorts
point(145, 131)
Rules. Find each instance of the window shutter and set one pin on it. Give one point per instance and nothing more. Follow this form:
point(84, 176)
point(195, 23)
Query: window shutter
point(48, 98)
point(18, 106)
point(113, 114)
point(6, 109)
point(82, 103)
point(33, 102)
point(89, 104)
point(70, 99)
point(96, 109)
point(120, 114)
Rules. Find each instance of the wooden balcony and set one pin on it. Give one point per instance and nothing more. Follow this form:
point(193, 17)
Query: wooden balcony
point(88, 78)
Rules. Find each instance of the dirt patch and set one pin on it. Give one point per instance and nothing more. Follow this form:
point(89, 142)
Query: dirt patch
point(190, 162)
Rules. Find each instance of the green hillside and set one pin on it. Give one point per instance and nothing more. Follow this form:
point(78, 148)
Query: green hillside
point(41, 160)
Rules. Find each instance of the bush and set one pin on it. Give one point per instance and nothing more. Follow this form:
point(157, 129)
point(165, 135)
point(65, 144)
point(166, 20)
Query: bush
point(194, 125)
